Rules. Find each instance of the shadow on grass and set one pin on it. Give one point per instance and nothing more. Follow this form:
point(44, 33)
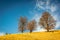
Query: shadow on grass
point(53, 31)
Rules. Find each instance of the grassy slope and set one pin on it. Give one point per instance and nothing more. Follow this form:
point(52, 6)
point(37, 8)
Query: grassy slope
point(33, 36)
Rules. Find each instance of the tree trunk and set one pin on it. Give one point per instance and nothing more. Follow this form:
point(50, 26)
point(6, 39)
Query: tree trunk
point(22, 31)
point(30, 31)
point(47, 28)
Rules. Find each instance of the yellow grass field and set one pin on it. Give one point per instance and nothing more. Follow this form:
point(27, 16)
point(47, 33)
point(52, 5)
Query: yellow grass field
point(33, 36)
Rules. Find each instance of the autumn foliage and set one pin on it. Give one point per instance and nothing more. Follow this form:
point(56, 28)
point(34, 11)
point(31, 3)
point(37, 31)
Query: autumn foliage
point(31, 25)
point(22, 24)
point(47, 21)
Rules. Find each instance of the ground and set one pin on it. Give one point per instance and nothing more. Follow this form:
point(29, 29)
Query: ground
point(33, 36)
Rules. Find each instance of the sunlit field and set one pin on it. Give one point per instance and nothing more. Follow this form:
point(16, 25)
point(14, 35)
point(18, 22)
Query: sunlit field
point(33, 36)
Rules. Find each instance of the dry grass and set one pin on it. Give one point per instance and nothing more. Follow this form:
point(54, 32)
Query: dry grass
point(33, 36)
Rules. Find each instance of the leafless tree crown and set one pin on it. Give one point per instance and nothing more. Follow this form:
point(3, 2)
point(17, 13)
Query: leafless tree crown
point(47, 21)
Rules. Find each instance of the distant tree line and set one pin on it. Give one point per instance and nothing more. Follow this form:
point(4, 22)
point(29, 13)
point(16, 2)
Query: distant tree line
point(7, 33)
point(46, 21)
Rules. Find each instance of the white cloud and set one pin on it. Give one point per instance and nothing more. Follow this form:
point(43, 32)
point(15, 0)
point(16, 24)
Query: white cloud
point(37, 17)
point(50, 7)
point(48, 2)
point(2, 34)
point(55, 16)
point(53, 8)
point(57, 25)
point(57, 21)
point(40, 5)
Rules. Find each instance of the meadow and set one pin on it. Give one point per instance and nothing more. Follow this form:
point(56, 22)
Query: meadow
point(54, 35)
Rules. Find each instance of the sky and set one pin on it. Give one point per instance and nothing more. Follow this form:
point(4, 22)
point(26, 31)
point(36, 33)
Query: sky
point(11, 10)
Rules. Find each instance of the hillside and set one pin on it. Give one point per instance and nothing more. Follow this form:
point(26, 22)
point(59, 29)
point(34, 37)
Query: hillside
point(33, 36)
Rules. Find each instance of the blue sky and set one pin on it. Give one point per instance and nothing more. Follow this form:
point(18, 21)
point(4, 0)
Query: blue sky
point(10, 12)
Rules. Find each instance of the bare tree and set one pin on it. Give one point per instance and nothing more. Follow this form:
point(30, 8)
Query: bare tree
point(22, 24)
point(47, 21)
point(31, 25)
point(6, 33)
